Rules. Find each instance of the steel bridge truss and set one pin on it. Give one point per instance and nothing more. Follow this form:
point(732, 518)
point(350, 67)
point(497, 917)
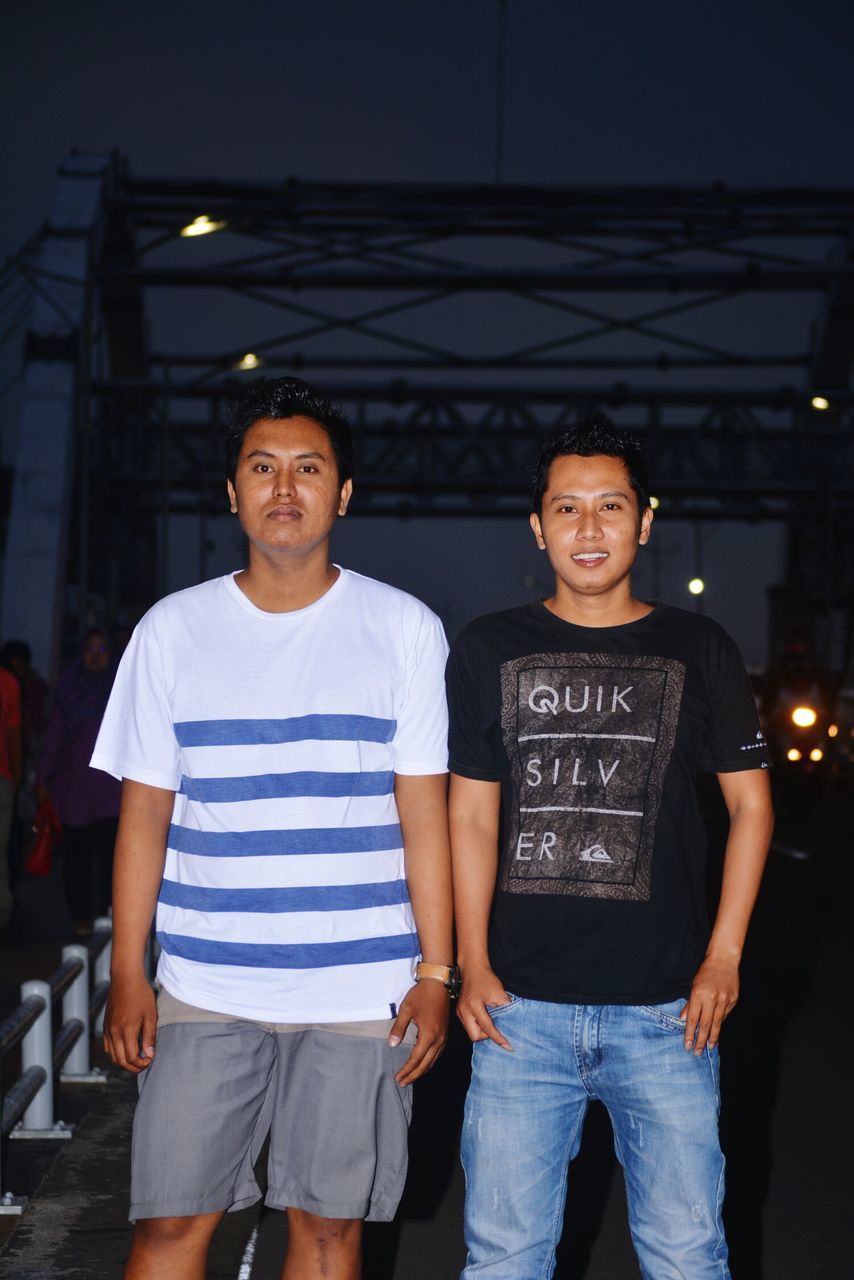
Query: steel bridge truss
point(458, 324)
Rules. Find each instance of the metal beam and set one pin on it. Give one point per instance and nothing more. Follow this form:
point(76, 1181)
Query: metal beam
point(751, 278)
point(56, 361)
point(833, 353)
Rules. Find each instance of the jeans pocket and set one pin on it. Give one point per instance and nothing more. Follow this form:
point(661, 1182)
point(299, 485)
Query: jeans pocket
point(666, 1015)
point(493, 1009)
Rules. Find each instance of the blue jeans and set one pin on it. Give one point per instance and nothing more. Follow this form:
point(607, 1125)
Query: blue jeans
point(523, 1120)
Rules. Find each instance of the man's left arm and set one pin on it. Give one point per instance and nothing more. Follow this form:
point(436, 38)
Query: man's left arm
point(423, 808)
point(714, 992)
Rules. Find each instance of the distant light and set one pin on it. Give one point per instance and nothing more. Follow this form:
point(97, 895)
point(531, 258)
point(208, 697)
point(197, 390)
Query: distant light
point(804, 717)
point(816, 754)
point(202, 226)
point(655, 503)
point(249, 361)
point(832, 730)
point(793, 754)
point(820, 403)
point(696, 586)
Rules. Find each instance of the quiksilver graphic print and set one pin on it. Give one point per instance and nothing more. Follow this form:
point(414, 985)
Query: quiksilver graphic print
point(589, 737)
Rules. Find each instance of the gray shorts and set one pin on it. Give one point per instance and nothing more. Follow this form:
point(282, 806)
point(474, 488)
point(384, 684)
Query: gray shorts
point(324, 1092)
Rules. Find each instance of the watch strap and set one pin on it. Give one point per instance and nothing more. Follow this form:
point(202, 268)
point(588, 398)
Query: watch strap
point(441, 972)
point(448, 975)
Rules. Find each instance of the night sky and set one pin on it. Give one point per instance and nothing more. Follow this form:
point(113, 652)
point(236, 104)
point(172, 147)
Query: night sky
point(748, 94)
point(745, 93)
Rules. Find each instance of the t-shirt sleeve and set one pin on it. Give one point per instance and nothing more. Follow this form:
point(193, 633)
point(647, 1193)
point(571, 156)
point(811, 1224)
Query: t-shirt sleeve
point(473, 710)
point(137, 739)
point(420, 743)
point(734, 739)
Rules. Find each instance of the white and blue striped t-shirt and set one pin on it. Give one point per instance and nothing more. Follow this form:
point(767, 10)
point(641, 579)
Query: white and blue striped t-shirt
point(284, 895)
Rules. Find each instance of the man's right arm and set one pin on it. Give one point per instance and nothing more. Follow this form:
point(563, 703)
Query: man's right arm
point(130, 1020)
point(473, 809)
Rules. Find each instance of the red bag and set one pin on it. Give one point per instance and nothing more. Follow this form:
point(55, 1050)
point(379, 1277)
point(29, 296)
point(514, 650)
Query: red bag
point(47, 829)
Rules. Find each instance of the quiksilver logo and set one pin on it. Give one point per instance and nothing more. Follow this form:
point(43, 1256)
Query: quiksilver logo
point(595, 853)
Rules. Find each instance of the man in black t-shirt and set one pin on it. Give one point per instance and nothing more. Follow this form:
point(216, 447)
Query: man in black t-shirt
point(589, 971)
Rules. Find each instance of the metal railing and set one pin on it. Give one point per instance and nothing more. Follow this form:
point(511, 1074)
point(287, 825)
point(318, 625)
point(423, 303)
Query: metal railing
point(82, 983)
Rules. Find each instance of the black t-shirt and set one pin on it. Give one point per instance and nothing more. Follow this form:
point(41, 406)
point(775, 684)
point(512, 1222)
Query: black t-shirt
point(596, 736)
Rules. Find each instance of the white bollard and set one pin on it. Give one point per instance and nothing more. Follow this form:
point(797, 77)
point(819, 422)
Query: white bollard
point(37, 1051)
point(103, 924)
point(75, 1004)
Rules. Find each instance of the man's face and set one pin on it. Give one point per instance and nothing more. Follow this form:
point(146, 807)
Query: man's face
point(590, 524)
point(286, 490)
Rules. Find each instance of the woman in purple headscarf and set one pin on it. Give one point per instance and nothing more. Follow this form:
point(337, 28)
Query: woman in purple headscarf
point(87, 800)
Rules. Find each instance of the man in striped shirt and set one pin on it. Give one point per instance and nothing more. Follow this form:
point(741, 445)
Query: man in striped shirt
point(281, 736)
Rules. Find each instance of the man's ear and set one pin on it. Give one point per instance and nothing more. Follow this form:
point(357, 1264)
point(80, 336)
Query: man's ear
point(346, 495)
point(645, 526)
point(232, 497)
point(538, 531)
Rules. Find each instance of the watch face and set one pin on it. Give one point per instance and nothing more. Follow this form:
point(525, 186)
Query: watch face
point(454, 983)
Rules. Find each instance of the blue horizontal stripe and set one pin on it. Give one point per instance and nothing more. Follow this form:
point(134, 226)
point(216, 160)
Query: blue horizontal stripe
point(344, 897)
point(253, 844)
point(275, 786)
point(244, 733)
point(308, 955)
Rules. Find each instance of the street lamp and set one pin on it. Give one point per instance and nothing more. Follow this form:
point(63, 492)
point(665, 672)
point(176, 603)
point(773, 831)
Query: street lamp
point(202, 226)
point(249, 361)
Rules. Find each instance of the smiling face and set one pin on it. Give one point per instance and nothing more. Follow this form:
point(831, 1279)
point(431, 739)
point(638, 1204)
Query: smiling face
point(286, 490)
point(590, 526)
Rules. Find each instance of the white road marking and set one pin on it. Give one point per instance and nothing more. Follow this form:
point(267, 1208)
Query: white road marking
point(245, 1272)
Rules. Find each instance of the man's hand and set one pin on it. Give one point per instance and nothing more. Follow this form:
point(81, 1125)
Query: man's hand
point(481, 987)
point(714, 994)
point(425, 1004)
point(130, 1024)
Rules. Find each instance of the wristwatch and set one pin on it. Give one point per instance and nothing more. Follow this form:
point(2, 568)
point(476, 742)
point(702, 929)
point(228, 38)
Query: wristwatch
point(449, 976)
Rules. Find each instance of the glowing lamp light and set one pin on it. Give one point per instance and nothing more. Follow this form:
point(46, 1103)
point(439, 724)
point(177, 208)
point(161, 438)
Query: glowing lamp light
point(696, 586)
point(804, 717)
point(820, 403)
point(249, 361)
point(816, 754)
point(793, 754)
point(832, 730)
point(655, 503)
point(201, 226)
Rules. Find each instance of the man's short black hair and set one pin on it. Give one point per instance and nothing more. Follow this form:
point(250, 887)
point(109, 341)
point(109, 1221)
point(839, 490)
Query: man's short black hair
point(591, 435)
point(287, 398)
